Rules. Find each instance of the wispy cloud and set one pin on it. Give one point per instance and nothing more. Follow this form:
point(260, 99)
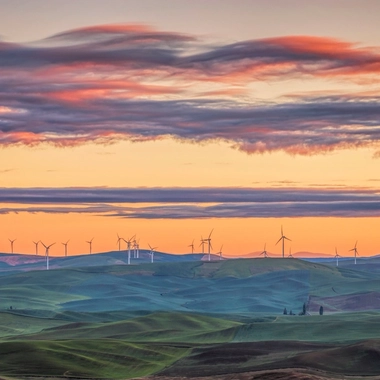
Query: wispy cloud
point(106, 83)
point(189, 203)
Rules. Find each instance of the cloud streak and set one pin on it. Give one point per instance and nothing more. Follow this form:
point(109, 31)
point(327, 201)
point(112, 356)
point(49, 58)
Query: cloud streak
point(190, 203)
point(128, 82)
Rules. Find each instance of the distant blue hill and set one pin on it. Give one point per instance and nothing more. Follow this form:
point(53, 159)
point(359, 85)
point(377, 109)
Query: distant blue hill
point(19, 262)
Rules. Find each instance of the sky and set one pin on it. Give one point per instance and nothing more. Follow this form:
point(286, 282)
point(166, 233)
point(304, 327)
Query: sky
point(168, 120)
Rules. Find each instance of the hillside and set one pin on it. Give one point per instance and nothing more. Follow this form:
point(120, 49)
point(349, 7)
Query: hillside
point(189, 317)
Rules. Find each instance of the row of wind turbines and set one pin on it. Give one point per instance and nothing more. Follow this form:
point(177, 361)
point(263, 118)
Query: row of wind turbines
point(208, 242)
point(283, 238)
point(133, 244)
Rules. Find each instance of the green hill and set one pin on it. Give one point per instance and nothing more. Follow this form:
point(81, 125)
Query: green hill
point(188, 318)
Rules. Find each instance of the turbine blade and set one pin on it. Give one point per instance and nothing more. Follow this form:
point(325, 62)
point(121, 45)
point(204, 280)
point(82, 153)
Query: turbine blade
point(279, 240)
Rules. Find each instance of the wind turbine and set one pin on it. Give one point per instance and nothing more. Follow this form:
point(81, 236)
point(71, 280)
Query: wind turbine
point(138, 248)
point(152, 253)
point(336, 256)
point(12, 241)
point(290, 253)
point(47, 247)
point(203, 242)
point(265, 251)
point(355, 250)
point(209, 244)
point(119, 240)
point(220, 252)
point(36, 244)
point(129, 248)
point(65, 244)
point(283, 240)
point(90, 242)
point(134, 248)
point(192, 247)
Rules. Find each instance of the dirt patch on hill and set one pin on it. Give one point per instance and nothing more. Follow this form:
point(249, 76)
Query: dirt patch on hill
point(21, 259)
point(350, 302)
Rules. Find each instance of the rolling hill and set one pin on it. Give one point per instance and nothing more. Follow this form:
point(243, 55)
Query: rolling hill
point(186, 316)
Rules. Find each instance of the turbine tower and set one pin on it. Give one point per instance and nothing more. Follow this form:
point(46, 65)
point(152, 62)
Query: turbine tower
point(138, 249)
point(283, 237)
point(12, 241)
point(129, 248)
point(209, 245)
point(47, 247)
point(90, 243)
point(355, 251)
point(36, 244)
point(192, 247)
point(152, 253)
point(290, 253)
point(65, 244)
point(336, 256)
point(265, 251)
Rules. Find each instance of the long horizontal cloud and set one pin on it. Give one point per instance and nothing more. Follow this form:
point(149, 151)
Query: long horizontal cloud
point(185, 203)
point(182, 195)
point(107, 83)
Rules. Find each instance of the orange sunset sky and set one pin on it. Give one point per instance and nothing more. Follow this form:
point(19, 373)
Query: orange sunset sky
point(169, 119)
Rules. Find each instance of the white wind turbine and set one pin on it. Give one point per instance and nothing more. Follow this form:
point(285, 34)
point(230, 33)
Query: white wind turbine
point(129, 248)
point(203, 242)
point(336, 256)
point(47, 247)
point(220, 253)
point(355, 251)
point(138, 248)
point(152, 253)
point(12, 241)
point(90, 243)
point(119, 239)
point(283, 240)
point(134, 248)
point(36, 244)
point(192, 247)
point(209, 245)
point(265, 251)
point(65, 244)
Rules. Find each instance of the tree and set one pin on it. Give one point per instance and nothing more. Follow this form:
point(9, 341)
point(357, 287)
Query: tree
point(321, 310)
point(285, 312)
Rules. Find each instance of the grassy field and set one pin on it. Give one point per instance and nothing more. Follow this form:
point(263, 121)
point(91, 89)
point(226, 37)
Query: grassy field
point(192, 317)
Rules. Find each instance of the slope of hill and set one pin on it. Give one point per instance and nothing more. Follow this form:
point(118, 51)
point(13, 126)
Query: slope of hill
point(187, 317)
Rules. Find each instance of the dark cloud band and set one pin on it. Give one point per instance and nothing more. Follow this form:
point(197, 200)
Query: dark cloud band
point(189, 203)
